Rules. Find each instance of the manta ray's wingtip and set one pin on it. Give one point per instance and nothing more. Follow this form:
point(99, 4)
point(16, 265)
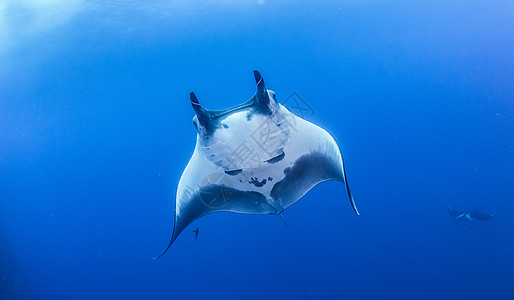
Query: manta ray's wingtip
point(354, 206)
point(352, 201)
point(167, 248)
point(174, 236)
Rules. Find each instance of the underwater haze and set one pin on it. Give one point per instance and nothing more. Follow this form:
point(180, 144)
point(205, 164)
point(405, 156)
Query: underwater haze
point(96, 130)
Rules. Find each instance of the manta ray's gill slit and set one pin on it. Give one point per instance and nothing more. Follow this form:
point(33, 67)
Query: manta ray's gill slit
point(233, 172)
point(276, 158)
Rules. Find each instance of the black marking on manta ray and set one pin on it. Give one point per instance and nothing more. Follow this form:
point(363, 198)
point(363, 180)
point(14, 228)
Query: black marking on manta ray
point(276, 159)
point(256, 182)
point(270, 178)
point(233, 172)
point(302, 170)
point(286, 170)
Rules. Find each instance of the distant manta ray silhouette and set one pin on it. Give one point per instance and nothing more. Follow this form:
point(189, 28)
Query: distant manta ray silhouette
point(469, 216)
point(254, 158)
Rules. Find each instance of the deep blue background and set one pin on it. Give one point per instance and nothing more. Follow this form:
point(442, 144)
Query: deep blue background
point(95, 130)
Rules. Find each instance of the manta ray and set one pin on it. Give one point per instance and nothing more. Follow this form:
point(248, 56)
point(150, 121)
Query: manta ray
point(253, 158)
point(469, 216)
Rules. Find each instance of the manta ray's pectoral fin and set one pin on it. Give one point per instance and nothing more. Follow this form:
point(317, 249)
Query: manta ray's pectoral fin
point(453, 212)
point(186, 216)
point(178, 227)
point(308, 171)
point(214, 197)
point(352, 201)
point(169, 245)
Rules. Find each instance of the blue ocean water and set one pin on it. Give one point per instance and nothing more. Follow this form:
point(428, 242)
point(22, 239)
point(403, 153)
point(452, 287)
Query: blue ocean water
point(95, 131)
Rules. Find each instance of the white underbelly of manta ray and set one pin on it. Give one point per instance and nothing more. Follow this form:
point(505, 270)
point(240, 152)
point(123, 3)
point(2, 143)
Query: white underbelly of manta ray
point(255, 158)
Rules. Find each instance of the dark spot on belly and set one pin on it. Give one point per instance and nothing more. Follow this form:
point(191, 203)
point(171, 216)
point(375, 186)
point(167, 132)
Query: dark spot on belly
point(249, 116)
point(256, 182)
point(270, 179)
point(276, 158)
point(286, 170)
point(233, 172)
